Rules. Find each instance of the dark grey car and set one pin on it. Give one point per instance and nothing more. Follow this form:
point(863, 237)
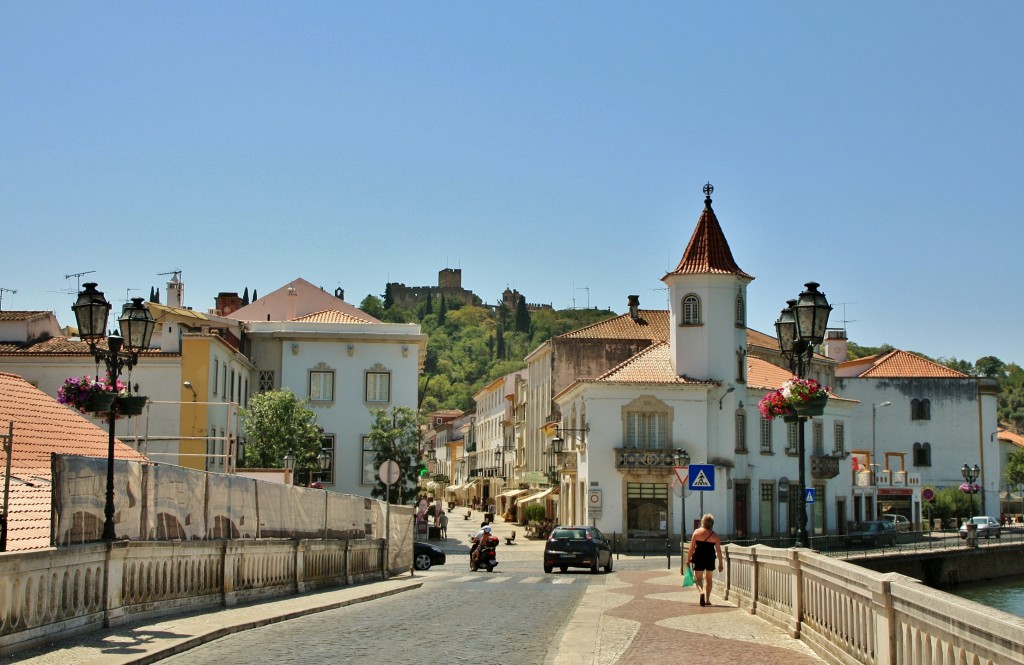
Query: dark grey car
point(577, 547)
point(872, 534)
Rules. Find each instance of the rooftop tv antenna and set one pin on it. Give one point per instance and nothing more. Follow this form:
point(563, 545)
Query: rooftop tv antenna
point(845, 320)
point(78, 277)
point(583, 288)
point(176, 273)
point(2, 291)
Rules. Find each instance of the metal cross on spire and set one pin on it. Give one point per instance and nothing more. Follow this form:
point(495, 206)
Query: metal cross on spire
point(708, 188)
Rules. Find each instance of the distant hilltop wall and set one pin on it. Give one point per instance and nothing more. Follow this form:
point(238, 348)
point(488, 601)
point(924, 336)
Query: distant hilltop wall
point(449, 285)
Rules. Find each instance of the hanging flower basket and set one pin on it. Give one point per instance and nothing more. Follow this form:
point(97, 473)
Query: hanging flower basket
point(814, 406)
point(131, 405)
point(969, 488)
point(88, 395)
point(99, 401)
point(796, 398)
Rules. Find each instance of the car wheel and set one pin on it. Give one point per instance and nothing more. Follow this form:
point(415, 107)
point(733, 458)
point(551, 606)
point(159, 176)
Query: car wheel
point(564, 569)
point(593, 566)
point(547, 568)
point(422, 562)
point(608, 566)
point(999, 534)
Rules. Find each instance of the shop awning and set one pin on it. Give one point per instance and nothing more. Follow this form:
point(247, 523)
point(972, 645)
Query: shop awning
point(513, 493)
point(453, 488)
point(536, 497)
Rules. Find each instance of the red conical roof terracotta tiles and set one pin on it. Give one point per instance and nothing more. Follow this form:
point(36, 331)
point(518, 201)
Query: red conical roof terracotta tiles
point(708, 251)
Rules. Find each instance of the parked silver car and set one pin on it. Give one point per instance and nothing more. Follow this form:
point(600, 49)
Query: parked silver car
point(901, 523)
point(987, 527)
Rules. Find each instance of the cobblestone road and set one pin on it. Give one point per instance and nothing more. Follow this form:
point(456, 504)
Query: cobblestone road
point(472, 619)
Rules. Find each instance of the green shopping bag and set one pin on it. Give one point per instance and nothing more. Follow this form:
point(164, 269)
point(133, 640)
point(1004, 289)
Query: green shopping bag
point(688, 577)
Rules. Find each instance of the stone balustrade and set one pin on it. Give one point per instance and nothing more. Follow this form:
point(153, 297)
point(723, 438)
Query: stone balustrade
point(852, 615)
point(54, 593)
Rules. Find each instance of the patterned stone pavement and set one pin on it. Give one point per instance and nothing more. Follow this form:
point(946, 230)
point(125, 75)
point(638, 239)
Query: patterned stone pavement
point(643, 617)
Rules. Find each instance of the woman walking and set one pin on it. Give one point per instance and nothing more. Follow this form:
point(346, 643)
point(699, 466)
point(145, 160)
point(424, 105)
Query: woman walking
point(704, 547)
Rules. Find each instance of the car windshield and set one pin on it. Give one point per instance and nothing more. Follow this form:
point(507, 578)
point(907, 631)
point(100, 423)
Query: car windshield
point(569, 534)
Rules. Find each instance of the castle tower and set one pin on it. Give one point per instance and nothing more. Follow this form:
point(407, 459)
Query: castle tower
point(708, 306)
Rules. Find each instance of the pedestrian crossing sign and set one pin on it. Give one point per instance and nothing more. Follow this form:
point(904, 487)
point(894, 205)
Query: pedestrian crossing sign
point(809, 495)
point(702, 477)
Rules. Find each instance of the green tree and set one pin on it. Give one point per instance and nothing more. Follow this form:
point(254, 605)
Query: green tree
point(373, 306)
point(1014, 470)
point(522, 316)
point(990, 367)
point(389, 298)
point(276, 423)
point(395, 436)
point(442, 311)
point(951, 503)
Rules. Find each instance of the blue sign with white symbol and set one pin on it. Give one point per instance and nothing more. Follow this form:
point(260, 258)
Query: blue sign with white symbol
point(809, 495)
point(702, 477)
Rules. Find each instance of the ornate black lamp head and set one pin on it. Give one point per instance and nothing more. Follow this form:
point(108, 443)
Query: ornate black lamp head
point(91, 311)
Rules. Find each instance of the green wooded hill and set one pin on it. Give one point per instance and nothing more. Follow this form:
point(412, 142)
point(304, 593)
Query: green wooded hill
point(472, 345)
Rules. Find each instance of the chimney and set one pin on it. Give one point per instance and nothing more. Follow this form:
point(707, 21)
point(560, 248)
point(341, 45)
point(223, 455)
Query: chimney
point(175, 292)
point(291, 303)
point(226, 303)
point(634, 307)
point(835, 344)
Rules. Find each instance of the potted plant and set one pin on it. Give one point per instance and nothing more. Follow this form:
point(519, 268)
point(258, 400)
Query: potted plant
point(796, 397)
point(86, 395)
point(130, 405)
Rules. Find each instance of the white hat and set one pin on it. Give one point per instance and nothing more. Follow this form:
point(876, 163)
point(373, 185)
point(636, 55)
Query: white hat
point(487, 529)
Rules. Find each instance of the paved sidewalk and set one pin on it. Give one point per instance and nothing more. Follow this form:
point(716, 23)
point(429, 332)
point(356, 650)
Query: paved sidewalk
point(642, 617)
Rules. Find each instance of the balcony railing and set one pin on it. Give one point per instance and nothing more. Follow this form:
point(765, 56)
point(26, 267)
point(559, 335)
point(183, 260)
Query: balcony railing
point(637, 458)
point(824, 467)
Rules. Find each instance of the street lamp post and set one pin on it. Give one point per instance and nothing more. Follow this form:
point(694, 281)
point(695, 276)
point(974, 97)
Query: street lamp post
point(136, 324)
point(8, 441)
point(970, 475)
point(324, 460)
point(800, 327)
point(874, 458)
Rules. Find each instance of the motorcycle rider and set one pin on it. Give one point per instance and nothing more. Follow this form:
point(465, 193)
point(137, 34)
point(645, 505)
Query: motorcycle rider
point(478, 541)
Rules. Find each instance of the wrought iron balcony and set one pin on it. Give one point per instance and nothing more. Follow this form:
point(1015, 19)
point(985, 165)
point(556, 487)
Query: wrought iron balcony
point(824, 467)
point(638, 458)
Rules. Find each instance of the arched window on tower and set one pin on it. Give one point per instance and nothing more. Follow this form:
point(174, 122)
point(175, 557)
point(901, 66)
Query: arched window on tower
point(691, 310)
point(741, 311)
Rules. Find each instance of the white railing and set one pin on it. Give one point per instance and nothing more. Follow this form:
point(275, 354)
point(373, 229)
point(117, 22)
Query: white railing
point(851, 615)
point(61, 592)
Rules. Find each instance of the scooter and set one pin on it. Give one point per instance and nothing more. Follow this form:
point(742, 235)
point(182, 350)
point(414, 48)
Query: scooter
point(487, 555)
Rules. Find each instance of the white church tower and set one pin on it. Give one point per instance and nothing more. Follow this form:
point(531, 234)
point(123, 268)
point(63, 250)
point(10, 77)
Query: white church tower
point(708, 306)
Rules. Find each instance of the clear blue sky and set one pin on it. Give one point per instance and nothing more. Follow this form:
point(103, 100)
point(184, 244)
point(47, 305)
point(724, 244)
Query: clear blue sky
point(557, 148)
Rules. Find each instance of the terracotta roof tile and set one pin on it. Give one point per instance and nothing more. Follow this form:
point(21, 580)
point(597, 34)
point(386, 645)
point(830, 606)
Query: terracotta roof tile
point(650, 324)
point(900, 364)
point(708, 251)
point(1012, 437)
point(652, 365)
point(63, 346)
point(22, 315)
point(764, 375)
point(333, 316)
point(43, 426)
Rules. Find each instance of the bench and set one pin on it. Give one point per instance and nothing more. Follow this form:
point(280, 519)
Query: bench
point(511, 540)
